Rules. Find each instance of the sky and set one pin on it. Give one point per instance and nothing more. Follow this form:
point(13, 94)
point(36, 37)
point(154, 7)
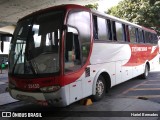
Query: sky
point(106, 4)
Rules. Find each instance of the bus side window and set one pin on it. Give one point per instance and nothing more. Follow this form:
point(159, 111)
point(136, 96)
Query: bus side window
point(149, 37)
point(119, 32)
point(114, 37)
point(146, 36)
point(140, 36)
point(95, 27)
point(132, 34)
point(102, 29)
point(127, 34)
point(137, 34)
point(155, 39)
point(109, 29)
point(143, 36)
point(124, 32)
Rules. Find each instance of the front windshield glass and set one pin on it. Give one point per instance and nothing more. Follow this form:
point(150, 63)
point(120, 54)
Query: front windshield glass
point(36, 44)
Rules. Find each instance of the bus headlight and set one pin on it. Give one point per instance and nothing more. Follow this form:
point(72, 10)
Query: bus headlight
point(50, 88)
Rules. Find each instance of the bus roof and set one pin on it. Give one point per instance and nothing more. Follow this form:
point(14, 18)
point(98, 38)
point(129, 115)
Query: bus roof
point(60, 7)
point(74, 6)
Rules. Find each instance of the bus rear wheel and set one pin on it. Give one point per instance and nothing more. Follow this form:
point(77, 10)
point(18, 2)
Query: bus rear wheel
point(146, 72)
point(100, 89)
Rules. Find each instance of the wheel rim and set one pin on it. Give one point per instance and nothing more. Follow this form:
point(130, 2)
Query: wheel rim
point(99, 88)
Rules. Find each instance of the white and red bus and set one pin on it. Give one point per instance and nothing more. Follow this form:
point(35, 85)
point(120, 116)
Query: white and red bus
point(66, 53)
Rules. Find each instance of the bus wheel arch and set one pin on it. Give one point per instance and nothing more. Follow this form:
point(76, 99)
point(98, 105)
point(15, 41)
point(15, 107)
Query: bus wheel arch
point(102, 81)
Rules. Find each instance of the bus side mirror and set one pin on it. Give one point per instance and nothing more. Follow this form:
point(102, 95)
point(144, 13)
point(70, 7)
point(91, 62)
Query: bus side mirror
point(69, 41)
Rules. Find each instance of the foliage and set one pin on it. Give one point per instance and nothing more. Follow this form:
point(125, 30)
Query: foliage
point(142, 12)
point(92, 6)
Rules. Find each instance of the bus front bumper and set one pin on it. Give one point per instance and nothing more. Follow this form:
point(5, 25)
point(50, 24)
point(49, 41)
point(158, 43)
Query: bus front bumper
point(59, 98)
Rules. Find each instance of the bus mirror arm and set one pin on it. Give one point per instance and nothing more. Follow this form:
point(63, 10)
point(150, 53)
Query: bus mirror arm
point(69, 41)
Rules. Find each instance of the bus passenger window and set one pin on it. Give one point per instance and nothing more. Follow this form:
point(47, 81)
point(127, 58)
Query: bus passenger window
point(109, 29)
point(127, 34)
point(140, 36)
point(146, 36)
point(149, 38)
point(132, 34)
point(114, 37)
point(119, 32)
point(95, 27)
point(155, 39)
point(102, 29)
point(143, 36)
point(136, 31)
point(124, 34)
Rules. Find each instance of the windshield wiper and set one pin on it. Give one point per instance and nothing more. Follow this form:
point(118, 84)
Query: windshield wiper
point(32, 68)
point(30, 64)
point(17, 59)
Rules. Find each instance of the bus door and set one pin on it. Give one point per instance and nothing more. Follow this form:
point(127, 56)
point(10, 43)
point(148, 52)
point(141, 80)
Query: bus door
point(77, 48)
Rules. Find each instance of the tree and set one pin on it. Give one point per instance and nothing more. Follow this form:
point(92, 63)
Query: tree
point(142, 12)
point(92, 6)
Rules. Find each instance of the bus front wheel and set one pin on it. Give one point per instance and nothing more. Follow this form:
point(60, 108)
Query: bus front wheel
point(100, 89)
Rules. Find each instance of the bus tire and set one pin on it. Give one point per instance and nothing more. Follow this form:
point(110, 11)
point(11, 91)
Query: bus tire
point(146, 72)
point(100, 89)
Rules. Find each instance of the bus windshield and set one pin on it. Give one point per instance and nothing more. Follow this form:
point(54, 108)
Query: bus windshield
point(36, 44)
